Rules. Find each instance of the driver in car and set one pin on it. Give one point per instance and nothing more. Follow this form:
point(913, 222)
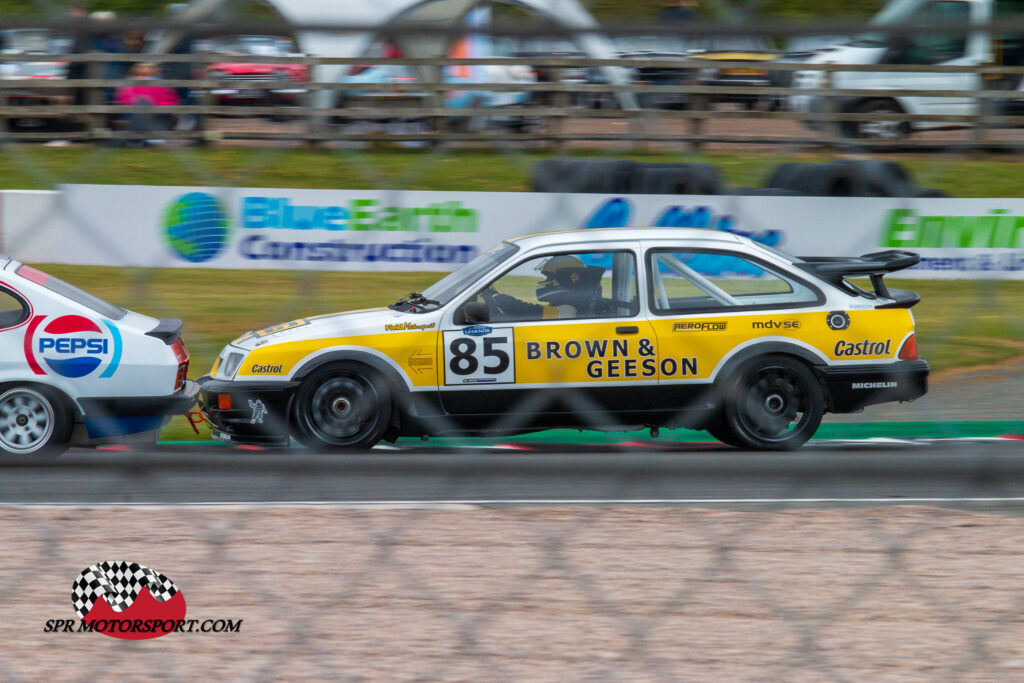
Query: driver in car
point(570, 289)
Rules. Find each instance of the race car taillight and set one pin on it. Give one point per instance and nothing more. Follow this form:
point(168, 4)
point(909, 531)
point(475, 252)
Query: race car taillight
point(181, 354)
point(909, 349)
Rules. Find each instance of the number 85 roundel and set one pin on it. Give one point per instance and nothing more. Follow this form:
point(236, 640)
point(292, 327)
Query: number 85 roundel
point(486, 357)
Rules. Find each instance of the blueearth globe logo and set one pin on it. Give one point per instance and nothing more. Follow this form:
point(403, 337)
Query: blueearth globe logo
point(197, 227)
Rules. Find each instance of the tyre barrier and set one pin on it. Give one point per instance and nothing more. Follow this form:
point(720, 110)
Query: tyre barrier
point(818, 180)
point(599, 176)
point(762, 192)
point(847, 178)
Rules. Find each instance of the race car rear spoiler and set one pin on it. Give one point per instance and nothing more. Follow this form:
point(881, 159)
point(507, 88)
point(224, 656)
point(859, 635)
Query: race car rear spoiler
point(835, 270)
point(167, 330)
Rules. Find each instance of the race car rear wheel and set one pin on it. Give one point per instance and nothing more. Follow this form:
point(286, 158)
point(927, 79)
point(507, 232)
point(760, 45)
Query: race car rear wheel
point(775, 403)
point(341, 407)
point(34, 422)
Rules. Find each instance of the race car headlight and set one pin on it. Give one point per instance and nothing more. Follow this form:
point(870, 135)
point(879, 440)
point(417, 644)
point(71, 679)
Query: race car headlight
point(230, 365)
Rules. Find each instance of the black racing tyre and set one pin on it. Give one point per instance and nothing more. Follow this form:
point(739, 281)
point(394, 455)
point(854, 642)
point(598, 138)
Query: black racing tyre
point(606, 176)
point(719, 428)
point(877, 130)
point(929, 193)
point(763, 192)
point(818, 180)
point(784, 176)
point(686, 179)
point(774, 403)
point(35, 422)
point(559, 174)
point(342, 407)
point(881, 178)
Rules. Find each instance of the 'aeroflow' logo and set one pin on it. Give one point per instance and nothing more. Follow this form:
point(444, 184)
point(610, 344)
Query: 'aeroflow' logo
point(72, 346)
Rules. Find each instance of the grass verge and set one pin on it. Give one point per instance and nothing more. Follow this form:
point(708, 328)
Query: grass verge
point(960, 323)
point(41, 168)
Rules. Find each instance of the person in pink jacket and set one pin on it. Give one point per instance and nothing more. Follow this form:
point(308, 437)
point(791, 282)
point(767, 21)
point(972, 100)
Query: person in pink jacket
point(152, 95)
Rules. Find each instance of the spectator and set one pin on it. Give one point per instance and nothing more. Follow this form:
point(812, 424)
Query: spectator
point(678, 11)
point(151, 95)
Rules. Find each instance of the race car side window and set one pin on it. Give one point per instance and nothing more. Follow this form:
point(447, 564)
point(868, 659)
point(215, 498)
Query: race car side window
point(565, 286)
point(80, 296)
point(13, 309)
point(685, 281)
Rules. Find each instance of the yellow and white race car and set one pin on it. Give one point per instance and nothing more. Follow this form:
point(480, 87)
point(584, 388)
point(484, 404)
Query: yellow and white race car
point(614, 329)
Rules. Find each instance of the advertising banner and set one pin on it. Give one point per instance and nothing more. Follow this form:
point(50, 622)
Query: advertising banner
point(251, 228)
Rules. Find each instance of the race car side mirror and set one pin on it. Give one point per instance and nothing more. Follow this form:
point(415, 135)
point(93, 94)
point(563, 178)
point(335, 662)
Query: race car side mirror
point(474, 312)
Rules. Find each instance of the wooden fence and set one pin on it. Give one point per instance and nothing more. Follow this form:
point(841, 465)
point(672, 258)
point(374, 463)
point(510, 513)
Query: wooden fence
point(555, 115)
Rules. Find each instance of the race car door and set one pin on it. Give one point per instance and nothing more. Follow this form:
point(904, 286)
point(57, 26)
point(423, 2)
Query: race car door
point(561, 332)
point(707, 302)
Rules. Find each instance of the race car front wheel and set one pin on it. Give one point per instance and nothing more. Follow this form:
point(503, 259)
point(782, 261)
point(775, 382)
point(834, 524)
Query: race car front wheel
point(33, 422)
point(775, 403)
point(341, 407)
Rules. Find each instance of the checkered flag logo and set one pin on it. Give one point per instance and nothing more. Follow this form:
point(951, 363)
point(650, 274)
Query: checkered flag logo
point(119, 583)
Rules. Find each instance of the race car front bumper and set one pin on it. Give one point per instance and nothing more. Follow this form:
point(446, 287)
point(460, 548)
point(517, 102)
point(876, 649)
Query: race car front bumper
point(248, 413)
point(854, 387)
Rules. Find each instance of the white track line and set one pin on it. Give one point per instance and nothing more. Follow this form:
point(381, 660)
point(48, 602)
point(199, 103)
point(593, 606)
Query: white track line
point(475, 504)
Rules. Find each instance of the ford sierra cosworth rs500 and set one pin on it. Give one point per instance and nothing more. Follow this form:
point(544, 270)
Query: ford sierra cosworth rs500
point(612, 329)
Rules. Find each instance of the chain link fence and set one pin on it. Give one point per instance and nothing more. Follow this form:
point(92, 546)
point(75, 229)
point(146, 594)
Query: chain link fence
point(433, 587)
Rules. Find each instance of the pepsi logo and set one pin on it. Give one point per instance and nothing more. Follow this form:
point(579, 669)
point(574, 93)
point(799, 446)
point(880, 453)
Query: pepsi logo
point(72, 346)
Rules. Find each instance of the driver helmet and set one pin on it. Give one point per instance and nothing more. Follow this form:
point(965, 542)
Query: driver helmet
point(568, 281)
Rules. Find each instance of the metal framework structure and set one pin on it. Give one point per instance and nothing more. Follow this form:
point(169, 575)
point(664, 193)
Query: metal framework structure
point(436, 14)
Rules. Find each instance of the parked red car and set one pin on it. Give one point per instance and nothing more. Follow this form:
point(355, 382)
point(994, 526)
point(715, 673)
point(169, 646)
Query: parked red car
point(289, 75)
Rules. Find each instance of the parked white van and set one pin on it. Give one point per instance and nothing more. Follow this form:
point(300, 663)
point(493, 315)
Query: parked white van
point(974, 49)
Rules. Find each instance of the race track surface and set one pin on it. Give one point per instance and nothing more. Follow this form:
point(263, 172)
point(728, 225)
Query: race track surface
point(977, 473)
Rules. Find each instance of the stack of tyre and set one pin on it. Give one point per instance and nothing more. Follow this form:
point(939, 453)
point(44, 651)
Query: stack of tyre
point(851, 178)
point(600, 176)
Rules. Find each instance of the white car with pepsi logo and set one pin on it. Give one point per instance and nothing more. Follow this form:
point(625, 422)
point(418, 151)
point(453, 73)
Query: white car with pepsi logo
point(77, 370)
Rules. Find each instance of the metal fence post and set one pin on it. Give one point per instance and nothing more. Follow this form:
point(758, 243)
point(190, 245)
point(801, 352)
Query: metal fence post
point(4, 117)
point(94, 98)
point(314, 122)
point(698, 102)
point(981, 109)
point(830, 108)
point(556, 123)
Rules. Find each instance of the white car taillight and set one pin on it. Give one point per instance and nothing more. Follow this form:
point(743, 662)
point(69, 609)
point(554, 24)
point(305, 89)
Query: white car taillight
point(182, 356)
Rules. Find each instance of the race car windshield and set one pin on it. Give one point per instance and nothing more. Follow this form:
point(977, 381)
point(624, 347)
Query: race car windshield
point(451, 285)
point(80, 296)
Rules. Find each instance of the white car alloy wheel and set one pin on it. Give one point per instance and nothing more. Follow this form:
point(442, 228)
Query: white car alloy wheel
point(27, 421)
